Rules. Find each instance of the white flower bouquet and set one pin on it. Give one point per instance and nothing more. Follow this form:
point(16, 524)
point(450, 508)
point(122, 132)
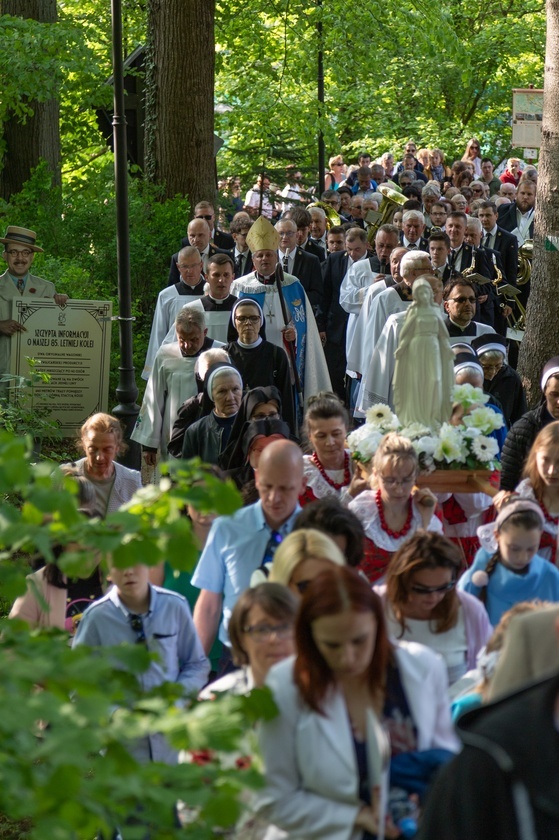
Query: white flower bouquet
point(466, 446)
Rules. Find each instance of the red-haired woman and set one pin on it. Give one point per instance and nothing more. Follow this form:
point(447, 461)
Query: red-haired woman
point(321, 751)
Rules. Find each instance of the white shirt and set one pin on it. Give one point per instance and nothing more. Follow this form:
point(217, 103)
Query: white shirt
point(290, 259)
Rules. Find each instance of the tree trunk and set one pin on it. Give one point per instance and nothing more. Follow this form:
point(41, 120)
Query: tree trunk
point(180, 69)
point(39, 137)
point(541, 341)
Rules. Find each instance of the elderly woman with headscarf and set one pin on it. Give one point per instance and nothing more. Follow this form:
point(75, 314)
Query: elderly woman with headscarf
point(208, 437)
point(198, 406)
point(260, 362)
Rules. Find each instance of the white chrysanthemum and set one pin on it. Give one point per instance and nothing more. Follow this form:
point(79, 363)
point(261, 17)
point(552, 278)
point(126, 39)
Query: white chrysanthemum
point(449, 446)
point(485, 448)
point(364, 441)
point(484, 419)
point(468, 395)
point(379, 415)
point(415, 431)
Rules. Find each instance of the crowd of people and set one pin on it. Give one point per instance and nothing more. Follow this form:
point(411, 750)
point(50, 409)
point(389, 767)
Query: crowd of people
point(377, 611)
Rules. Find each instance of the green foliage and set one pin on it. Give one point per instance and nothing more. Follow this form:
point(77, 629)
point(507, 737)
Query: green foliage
point(79, 225)
point(69, 717)
point(23, 414)
point(439, 74)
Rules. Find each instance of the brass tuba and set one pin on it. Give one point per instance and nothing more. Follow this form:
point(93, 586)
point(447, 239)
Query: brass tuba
point(332, 218)
point(525, 253)
point(391, 202)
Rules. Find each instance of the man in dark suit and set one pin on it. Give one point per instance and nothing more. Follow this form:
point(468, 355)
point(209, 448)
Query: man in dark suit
point(205, 210)
point(464, 257)
point(497, 239)
point(335, 319)
point(305, 267)
point(474, 233)
point(518, 217)
point(385, 242)
point(198, 237)
point(302, 219)
point(411, 236)
point(240, 254)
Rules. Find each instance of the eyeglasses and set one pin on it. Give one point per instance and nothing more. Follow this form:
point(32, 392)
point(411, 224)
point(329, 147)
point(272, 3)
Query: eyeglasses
point(495, 368)
point(273, 416)
point(137, 625)
point(461, 300)
point(264, 632)
point(337, 164)
point(207, 218)
point(247, 319)
point(15, 253)
point(397, 482)
point(433, 590)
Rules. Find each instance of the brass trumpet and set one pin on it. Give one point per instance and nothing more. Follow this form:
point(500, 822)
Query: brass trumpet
point(332, 218)
point(525, 253)
point(391, 202)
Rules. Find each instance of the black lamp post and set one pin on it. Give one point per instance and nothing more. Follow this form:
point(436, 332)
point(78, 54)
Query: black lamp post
point(320, 93)
point(126, 391)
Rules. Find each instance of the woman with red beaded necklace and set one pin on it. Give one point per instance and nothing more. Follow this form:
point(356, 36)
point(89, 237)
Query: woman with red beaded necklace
point(541, 483)
point(329, 469)
point(392, 510)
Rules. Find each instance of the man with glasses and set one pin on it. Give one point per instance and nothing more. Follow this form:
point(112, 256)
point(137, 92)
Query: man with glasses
point(17, 281)
point(460, 305)
point(237, 545)
point(305, 267)
point(464, 257)
point(205, 210)
point(134, 612)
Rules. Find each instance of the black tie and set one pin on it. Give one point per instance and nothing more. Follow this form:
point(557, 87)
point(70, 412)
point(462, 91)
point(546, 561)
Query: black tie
point(285, 265)
point(487, 243)
point(239, 266)
point(273, 542)
point(452, 257)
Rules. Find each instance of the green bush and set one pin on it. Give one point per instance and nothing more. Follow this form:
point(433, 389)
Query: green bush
point(68, 715)
point(76, 225)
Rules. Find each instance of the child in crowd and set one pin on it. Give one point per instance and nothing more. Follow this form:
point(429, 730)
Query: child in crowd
point(541, 483)
point(392, 510)
point(136, 612)
point(507, 569)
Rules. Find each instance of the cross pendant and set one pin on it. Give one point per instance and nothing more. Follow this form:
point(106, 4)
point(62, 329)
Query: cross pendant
point(270, 316)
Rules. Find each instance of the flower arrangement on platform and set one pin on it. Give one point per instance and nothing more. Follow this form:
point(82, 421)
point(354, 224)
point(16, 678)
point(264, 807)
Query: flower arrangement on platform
point(465, 446)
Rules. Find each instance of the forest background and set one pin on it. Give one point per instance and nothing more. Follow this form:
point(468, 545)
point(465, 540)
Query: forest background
point(439, 73)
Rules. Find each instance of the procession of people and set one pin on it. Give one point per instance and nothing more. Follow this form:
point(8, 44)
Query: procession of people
point(333, 362)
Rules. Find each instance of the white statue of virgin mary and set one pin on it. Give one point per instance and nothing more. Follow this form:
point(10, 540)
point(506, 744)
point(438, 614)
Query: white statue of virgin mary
point(424, 372)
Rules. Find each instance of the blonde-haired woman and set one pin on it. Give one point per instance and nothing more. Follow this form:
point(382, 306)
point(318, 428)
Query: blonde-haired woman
point(302, 556)
point(102, 440)
point(337, 174)
point(473, 155)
